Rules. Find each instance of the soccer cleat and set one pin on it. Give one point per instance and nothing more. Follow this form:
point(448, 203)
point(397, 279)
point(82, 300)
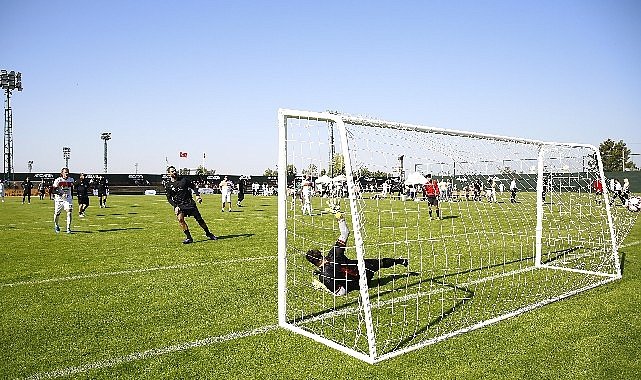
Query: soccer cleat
point(212, 236)
point(68, 231)
point(56, 229)
point(188, 241)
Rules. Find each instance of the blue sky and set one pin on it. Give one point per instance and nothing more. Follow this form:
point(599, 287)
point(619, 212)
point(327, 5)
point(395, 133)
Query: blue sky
point(209, 76)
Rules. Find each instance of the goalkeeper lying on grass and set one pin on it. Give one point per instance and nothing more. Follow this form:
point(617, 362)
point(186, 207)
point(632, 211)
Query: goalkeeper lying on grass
point(339, 274)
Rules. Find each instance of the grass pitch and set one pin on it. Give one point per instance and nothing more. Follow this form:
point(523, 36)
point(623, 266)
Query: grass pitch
point(121, 297)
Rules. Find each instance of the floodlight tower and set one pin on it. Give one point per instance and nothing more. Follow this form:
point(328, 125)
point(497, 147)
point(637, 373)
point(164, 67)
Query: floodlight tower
point(30, 166)
point(66, 154)
point(106, 136)
point(9, 81)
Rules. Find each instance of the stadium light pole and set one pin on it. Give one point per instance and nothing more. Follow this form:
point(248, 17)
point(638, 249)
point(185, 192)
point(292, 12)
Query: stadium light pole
point(29, 166)
point(9, 81)
point(623, 158)
point(66, 154)
point(106, 136)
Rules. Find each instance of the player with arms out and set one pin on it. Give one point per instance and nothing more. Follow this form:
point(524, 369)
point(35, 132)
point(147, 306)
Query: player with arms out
point(62, 189)
point(178, 192)
point(336, 272)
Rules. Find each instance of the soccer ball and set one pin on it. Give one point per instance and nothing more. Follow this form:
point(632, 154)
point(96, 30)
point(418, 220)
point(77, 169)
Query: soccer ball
point(634, 204)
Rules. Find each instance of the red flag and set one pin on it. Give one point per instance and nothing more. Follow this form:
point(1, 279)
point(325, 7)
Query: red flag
point(183, 154)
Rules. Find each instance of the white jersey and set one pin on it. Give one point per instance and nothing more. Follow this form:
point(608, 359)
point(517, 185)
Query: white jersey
point(64, 189)
point(225, 187)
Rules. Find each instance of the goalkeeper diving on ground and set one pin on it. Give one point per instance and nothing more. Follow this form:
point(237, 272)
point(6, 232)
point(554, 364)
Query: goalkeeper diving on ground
point(336, 272)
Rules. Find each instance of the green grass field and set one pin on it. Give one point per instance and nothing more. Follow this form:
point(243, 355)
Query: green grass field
point(121, 297)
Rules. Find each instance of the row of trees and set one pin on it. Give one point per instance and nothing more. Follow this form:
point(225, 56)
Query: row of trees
point(616, 156)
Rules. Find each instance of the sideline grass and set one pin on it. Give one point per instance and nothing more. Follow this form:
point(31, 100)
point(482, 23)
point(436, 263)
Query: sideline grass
point(123, 298)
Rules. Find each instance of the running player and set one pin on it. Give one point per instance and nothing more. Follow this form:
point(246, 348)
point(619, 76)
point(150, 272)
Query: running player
point(178, 192)
point(63, 199)
point(339, 274)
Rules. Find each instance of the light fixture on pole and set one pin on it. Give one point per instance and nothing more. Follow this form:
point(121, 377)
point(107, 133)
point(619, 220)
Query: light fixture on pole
point(9, 81)
point(66, 154)
point(30, 166)
point(106, 136)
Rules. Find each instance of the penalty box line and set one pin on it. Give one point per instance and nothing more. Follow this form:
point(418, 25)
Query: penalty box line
point(151, 353)
point(132, 271)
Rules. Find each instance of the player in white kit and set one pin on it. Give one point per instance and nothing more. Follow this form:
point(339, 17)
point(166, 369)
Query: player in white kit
point(63, 199)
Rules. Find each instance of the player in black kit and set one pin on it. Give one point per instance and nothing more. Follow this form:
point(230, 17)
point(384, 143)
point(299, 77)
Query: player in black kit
point(339, 274)
point(178, 192)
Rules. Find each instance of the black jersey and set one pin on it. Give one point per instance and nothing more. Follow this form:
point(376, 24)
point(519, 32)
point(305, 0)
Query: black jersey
point(338, 270)
point(82, 189)
point(179, 193)
point(27, 186)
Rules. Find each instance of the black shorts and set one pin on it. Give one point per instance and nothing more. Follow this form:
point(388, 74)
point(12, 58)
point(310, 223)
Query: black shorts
point(83, 199)
point(432, 201)
point(190, 210)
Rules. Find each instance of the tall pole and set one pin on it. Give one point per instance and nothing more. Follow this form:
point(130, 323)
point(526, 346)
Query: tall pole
point(9, 81)
point(106, 136)
point(66, 154)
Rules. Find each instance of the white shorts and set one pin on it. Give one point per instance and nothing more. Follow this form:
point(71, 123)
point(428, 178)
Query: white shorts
point(63, 204)
point(226, 197)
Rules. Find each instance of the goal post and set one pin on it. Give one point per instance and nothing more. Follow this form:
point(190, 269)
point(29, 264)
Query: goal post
point(486, 253)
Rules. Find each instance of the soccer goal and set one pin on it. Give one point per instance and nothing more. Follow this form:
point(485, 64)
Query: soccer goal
point(488, 254)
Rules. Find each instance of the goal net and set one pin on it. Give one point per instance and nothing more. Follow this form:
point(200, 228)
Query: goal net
point(520, 224)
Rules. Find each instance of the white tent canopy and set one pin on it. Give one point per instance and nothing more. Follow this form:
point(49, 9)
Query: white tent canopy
point(323, 179)
point(339, 178)
point(415, 178)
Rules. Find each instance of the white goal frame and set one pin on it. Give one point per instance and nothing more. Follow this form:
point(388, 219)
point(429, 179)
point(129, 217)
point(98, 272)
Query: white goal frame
point(339, 121)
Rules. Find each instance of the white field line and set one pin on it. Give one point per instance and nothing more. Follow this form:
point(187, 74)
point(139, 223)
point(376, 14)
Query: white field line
point(154, 352)
point(630, 244)
point(132, 271)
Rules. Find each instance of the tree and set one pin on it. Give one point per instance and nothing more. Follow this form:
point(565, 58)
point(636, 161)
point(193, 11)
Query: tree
point(616, 156)
point(338, 164)
point(201, 170)
point(312, 170)
point(291, 170)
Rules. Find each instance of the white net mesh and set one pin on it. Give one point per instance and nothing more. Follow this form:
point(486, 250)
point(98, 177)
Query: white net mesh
point(472, 262)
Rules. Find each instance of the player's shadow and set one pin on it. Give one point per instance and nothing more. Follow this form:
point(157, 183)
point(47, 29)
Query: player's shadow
point(106, 230)
point(234, 236)
point(445, 217)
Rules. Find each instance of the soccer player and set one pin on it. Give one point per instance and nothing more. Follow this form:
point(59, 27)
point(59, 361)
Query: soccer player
point(41, 189)
point(225, 192)
point(513, 191)
point(597, 185)
point(2, 189)
point(241, 191)
point(27, 185)
point(102, 192)
point(306, 193)
point(82, 192)
point(339, 274)
point(63, 199)
point(432, 192)
point(178, 192)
